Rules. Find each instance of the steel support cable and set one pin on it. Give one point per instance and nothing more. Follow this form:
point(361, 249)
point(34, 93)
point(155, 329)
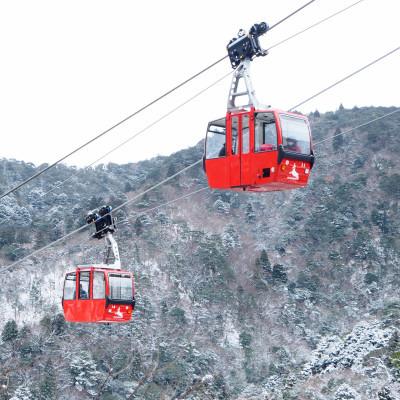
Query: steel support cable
point(357, 127)
point(15, 188)
point(129, 217)
point(179, 172)
point(149, 210)
point(316, 24)
point(159, 184)
point(109, 129)
point(345, 78)
point(345, 132)
point(87, 225)
point(142, 130)
point(290, 15)
point(187, 101)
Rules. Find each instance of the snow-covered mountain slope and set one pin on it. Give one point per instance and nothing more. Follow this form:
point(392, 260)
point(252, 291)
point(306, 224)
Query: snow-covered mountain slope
point(290, 295)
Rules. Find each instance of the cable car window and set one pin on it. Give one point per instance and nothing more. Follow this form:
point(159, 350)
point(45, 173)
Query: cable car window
point(84, 284)
point(99, 285)
point(120, 286)
point(216, 139)
point(265, 132)
point(245, 135)
point(295, 134)
point(235, 127)
point(70, 286)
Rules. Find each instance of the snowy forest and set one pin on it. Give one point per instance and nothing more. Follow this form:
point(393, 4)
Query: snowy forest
point(274, 296)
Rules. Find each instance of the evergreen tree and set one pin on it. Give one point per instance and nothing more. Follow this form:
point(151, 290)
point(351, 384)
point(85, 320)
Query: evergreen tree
point(58, 324)
point(250, 214)
point(48, 386)
point(264, 262)
point(337, 141)
point(128, 187)
point(138, 226)
point(263, 271)
point(10, 331)
point(221, 206)
point(35, 295)
point(84, 371)
point(230, 238)
point(279, 274)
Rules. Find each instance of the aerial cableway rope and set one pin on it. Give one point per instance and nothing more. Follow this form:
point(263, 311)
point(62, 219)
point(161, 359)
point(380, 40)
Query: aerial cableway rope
point(115, 209)
point(356, 127)
point(345, 78)
point(199, 93)
point(6, 193)
point(315, 24)
point(192, 165)
point(157, 185)
point(195, 96)
point(146, 128)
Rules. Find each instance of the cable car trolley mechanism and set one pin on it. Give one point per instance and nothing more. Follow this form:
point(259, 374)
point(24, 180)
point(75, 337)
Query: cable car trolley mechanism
point(100, 292)
point(255, 147)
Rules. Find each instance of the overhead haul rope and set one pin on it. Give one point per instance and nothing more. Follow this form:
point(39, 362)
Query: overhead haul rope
point(149, 210)
point(115, 209)
point(324, 163)
point(148, 190)
point(347, 131)
point(357, 127)
point(315, 24)
point(142, 131)
point(179, 172)
point(6, 193)
point(345, 78)
point(352, 130)
point(190, 99)
point(199, 93)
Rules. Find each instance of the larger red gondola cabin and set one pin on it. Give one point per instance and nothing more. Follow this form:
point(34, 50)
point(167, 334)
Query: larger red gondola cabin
point(258, 150)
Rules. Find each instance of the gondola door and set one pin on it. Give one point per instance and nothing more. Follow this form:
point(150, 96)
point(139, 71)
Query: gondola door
point(83, 303)
point(246, 176)
point(68, 301)
point(234, 154)
point(99, 296)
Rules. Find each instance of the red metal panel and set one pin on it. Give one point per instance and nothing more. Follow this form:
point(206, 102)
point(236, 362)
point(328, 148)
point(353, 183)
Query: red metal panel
point(217, 170)
point(95, 310)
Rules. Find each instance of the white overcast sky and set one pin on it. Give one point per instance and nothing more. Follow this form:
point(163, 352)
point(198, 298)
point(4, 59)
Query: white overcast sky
point(71, 69)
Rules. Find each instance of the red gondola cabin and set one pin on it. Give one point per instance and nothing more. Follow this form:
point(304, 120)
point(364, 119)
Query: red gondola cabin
point(255, 147)
point(93, 294)
point(258, 151)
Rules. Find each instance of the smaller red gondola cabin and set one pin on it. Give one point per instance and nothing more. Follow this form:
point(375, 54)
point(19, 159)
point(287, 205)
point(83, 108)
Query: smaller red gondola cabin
point(255, 148)
point(93, 294)
point(100, 292)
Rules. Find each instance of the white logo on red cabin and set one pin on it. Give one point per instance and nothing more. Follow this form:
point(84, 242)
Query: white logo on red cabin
point(119, 313)
point(294, 173)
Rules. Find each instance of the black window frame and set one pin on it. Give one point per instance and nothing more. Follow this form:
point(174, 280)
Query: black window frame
point(119, 275)
point(104, 287)
point(89, 286)
point(217, 124)
point(65, 281)
point(265, 123)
